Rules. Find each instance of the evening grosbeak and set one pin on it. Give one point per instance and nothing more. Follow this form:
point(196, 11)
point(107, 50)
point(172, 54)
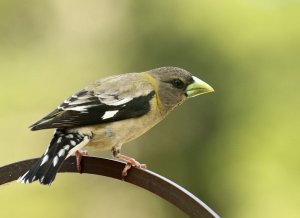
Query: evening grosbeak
point(110, 112)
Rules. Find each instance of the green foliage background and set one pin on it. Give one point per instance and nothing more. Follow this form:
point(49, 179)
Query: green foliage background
point(237, 149)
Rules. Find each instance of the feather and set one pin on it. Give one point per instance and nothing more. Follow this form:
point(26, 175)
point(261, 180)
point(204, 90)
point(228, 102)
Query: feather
point(88, 108)
point(62, 146)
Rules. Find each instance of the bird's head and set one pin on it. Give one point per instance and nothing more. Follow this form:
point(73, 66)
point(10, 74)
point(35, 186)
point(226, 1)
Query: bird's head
point(174, 85)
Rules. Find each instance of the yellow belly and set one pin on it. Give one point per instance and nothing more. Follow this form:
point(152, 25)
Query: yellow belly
point(115, 134)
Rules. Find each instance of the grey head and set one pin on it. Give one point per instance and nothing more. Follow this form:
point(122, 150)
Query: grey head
point(175, 85)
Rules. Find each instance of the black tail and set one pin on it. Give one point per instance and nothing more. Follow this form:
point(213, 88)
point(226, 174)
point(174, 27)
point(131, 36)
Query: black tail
point(62, 144)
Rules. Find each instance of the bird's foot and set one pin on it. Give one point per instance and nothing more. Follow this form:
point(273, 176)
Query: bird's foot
point(129, 163)
point(79, 154)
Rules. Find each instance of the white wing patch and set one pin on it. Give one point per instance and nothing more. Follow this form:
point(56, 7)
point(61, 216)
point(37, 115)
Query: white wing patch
point(112, 98)
point(109, 114)
point(117, 103)
point(78, 108)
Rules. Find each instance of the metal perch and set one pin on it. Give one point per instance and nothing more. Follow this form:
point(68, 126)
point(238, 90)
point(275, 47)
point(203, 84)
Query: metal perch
point(146, 179)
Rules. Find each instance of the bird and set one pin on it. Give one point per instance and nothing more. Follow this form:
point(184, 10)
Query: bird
point(109, 113)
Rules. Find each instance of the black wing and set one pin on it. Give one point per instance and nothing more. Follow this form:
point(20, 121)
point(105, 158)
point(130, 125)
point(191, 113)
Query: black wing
point(87, 108)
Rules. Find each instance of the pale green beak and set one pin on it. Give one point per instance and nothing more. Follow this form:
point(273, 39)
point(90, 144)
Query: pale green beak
point(198, 87)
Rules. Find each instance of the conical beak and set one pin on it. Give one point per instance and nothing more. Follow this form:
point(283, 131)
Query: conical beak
point(198, 87)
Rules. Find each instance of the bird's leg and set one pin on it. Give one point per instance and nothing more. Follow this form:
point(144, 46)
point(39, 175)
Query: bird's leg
point(79, 154)
point(129, 161)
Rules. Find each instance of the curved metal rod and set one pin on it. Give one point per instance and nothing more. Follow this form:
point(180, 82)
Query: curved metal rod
point(146, 179)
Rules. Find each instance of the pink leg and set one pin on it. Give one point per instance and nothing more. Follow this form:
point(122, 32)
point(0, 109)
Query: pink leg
point(129, 163)
point(79, 154)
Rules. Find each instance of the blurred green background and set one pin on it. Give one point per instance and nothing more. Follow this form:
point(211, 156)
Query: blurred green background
point(237, 149)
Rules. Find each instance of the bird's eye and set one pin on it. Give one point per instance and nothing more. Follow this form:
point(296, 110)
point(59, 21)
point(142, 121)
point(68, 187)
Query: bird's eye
point(177, 83)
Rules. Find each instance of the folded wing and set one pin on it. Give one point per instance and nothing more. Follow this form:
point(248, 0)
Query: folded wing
point(100, 104)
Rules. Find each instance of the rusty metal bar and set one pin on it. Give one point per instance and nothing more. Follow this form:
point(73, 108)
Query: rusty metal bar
point(146, 179)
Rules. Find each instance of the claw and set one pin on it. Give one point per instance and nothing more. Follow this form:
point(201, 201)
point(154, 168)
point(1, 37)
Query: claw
point(129, 163)
point(124, 171)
